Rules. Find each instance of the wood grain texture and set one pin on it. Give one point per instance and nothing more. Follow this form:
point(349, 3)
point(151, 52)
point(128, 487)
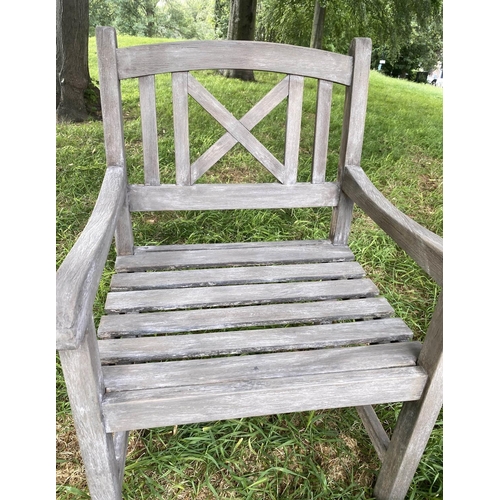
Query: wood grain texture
point(205, 99)
point(200, 345)
point(77, 278)
point(236, 295)
point(161, 407)
point(181, 128)
point(353, 129)
point(149, 130)
point(416, 419)
point(85, 385)
point(235, 276)
point(256, 367)
point(112, 118)
point(326, 311)
point(111, 97)
point(230, 54)
point(223, 256)
point(293, 128)
point(376, 432)
point(249, 121)
point(322, 130)
point(232, 196)
point(343, 251)
point(425, 247)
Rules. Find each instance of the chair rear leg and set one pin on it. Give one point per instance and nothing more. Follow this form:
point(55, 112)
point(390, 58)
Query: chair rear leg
point(416, 420)
point(82, 373)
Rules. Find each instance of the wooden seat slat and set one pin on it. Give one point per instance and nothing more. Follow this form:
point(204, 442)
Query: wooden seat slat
point(177, 374)
point(276, 254)
point(128, 410)
point(142, 349)
point(235, 276)
point(117, 325)
point(237, 295)
point(243, 245)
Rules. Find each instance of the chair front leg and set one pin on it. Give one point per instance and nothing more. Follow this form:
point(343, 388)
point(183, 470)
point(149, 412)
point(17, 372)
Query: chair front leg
point(416, 419)
point(83, 376)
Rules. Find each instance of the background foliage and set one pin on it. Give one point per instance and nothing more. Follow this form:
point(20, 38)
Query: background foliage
point(406, 34)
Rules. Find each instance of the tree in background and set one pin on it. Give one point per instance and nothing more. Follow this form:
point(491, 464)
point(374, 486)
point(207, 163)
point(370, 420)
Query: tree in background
point(187, 19)
point(77, 98)
point(242, 27)
point(332, 24)
point(318, 25)
point(421, 52)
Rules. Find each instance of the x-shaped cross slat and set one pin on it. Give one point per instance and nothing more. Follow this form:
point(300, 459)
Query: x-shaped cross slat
point(237, 130)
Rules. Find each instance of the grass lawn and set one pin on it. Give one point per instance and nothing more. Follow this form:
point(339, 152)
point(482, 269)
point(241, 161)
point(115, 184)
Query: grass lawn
point(310, 455)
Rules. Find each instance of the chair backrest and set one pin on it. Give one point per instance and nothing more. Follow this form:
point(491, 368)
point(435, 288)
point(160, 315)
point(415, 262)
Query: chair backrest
point(180, 59)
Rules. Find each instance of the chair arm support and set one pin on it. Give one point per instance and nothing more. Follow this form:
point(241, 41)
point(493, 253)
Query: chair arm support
point(77, 279)
point(425, 247)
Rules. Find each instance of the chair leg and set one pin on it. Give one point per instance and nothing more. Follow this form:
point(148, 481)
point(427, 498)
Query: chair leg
point(82, 373)
point(416, 420)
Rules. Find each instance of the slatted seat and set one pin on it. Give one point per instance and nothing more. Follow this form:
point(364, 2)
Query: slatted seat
point(200, 332)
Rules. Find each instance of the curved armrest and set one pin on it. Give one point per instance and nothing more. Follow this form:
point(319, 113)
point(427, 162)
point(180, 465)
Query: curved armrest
point(425, 247)
point(77, 279)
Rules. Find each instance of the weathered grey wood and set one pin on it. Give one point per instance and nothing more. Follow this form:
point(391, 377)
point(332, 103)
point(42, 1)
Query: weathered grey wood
point(236, 295)
point(78, 277)
point(161, 407)
point(124, 236)
point(239, 256)
point(235, 276)
point(245, 245)
point(293, 127)
point(255, 367)
point(263, 56)
point(425, 247)
point(112, 119)
point(120, 440)
point(231, 196)
point(203, 97)
point(249, 121)
point(85, 386)
point(321, 131)
point(378, 436)
point(126, 325)
point(181, 128)
point(198, 345)
point(353, 129)
point(149, 130)
point(416, 420)
point(110, 96)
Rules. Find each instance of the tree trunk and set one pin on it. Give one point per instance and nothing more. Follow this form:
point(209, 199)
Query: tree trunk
point(318, 25)
point(242, 27)
point(76, 97)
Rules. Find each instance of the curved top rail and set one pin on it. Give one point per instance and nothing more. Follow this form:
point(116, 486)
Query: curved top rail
point(229, 54)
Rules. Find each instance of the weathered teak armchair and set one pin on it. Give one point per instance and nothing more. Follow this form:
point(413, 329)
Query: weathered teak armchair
point(194, 333)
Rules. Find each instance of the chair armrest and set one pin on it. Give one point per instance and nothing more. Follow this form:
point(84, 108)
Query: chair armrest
point(425, 247)
point(77, 278)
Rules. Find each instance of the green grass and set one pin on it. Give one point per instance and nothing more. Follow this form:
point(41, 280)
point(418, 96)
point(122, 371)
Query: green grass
point(322, 454)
